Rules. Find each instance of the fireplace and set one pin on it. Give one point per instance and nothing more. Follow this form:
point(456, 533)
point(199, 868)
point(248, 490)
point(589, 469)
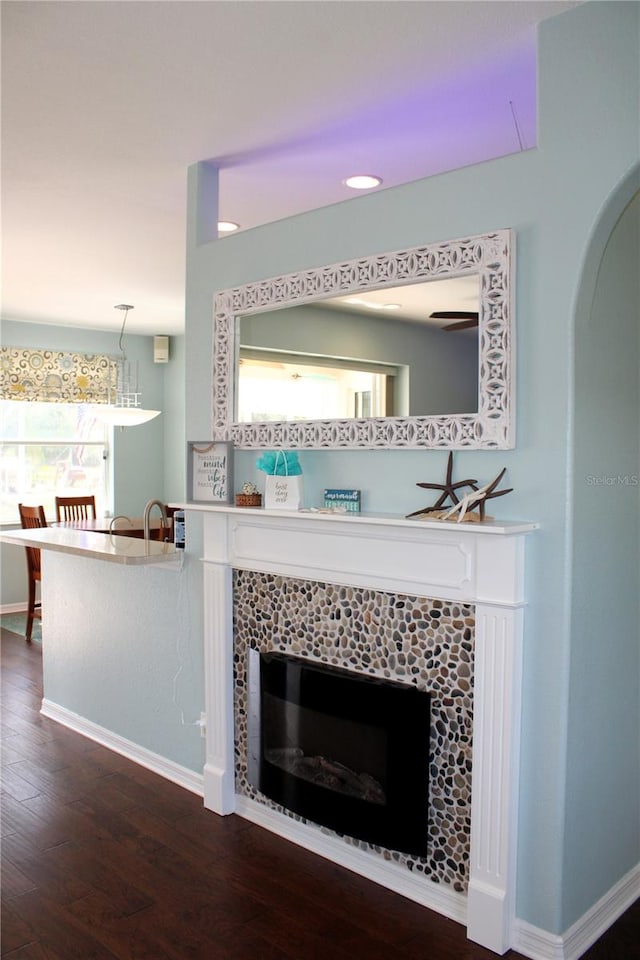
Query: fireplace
point(457, 565)
point(412, 641)
point(343, 750)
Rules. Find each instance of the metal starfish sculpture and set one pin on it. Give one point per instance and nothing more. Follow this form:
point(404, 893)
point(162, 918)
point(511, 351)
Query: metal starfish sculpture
point(448, 491)
point(491, 493)
point(477, 499)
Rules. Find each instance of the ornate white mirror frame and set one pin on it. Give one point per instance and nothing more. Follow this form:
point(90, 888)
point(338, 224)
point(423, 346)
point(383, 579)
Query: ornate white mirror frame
point(493, 426)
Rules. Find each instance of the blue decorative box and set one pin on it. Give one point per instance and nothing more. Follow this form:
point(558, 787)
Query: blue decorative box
point(343, 500)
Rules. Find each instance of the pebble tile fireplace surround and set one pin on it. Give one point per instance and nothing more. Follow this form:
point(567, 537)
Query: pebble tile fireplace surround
point(466, 580)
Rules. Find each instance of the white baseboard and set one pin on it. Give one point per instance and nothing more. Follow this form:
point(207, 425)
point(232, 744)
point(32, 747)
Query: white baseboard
point(390, 875)
point(13, 608)
point(574, 942)
point(132, 751)
point(536, 943)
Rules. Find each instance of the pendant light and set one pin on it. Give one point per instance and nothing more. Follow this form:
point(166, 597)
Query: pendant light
point(125, 406)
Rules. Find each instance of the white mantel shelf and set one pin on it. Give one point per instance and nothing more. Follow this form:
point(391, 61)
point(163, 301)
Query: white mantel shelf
point(469, 562)
point(96, 546)
point(477, 563)
point(496, 527)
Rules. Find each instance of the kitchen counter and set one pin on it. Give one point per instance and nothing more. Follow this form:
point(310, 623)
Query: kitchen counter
point(97, 546)
point(120, 526)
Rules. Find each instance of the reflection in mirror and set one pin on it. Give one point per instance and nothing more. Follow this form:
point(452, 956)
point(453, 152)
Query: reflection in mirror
point(270, 388)
point(380, 353)
point(439, 374)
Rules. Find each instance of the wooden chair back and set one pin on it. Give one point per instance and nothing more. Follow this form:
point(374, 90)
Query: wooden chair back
point(75, 508)
point(31, 517)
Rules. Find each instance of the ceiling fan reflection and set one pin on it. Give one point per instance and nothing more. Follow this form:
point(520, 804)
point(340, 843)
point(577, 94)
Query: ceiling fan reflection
point(464, 319)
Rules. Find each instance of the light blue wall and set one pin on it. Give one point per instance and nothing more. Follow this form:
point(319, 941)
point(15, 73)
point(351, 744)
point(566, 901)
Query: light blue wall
point(604, 697)
point(123, 658)
point(148, 460)
point(552, 198)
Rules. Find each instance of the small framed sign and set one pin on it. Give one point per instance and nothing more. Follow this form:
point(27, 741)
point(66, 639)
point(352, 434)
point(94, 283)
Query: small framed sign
point(209, 471)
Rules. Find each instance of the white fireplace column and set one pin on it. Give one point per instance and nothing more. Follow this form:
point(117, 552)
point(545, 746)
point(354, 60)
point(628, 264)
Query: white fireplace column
point(482, 564)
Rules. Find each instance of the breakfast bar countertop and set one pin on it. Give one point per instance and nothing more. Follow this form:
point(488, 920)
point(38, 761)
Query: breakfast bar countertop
point(96, 546)
point(118, 526)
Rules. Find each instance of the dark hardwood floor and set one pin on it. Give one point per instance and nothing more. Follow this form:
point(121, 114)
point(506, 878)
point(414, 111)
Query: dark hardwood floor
point(103, 859)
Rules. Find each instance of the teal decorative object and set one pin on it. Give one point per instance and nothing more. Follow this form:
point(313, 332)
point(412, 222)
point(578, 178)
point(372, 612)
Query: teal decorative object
point(279, 463)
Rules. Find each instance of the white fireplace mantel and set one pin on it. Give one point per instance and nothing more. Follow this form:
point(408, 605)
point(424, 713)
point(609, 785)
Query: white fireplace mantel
point(482, 564)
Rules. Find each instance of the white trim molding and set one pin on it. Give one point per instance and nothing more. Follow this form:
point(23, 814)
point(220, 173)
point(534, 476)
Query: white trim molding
point(574, 942)
point(8, 608)
point(481, 564)
point(184, 777)
point(496, 751)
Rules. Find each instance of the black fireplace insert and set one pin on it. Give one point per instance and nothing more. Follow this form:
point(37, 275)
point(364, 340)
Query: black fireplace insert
point(344, 750)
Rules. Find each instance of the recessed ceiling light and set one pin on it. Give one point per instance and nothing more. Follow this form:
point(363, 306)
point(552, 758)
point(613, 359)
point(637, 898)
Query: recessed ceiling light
point(363, 182)
point(358, 301)
point(370, 304)
point(227, 226)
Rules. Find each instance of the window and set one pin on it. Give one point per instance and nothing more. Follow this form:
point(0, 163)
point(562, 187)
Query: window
point(49, 450)
point(275, 386)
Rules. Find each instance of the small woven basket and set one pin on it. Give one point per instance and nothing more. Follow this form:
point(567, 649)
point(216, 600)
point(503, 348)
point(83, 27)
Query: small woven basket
point(248, 499)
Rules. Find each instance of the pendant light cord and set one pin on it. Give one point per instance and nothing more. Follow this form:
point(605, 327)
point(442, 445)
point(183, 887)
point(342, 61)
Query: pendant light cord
point(126, 307)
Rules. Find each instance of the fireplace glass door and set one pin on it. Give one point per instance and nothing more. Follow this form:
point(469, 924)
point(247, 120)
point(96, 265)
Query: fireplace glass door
point(344, 750)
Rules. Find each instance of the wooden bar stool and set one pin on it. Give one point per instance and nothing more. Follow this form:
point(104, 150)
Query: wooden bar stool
point(75, 508)
point(31, 517)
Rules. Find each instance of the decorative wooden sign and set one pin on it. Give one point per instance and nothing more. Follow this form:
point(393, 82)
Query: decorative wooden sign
point(209, 471)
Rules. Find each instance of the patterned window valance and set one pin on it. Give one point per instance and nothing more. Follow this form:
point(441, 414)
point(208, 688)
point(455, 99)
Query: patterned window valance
point(56, 376)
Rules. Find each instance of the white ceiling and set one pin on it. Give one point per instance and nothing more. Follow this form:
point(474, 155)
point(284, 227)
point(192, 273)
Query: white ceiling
point(106, 104)
point(413, 302)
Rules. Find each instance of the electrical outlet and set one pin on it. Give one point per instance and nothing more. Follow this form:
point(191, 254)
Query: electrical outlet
point(203, 725)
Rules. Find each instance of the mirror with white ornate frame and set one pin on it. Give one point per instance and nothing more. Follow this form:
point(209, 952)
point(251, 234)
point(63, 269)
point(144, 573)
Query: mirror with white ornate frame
point(484, 261)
